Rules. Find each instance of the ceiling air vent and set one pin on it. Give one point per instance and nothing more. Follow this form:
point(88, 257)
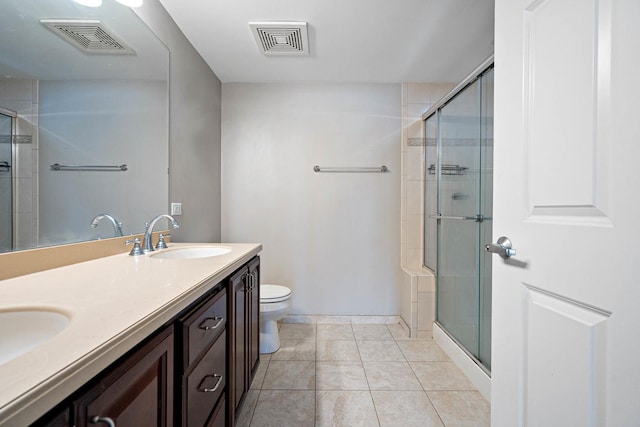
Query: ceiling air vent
point(88, 35)
point(281, 38)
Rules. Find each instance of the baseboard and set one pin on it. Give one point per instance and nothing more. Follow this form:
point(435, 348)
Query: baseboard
point(306, 318)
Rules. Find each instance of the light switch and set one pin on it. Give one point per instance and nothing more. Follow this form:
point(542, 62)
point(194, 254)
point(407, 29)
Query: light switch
point(176, 208)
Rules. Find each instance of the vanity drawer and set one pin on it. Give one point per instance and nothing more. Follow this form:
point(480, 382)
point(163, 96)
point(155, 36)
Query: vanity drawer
point(204, 385)
point(203, 326)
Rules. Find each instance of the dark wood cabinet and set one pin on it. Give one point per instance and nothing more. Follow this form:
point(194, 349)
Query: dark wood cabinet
point(238, 328)
point(253, 319)
point(138, 391)
point(193, 373)
point(244, 342)
point(203, 373)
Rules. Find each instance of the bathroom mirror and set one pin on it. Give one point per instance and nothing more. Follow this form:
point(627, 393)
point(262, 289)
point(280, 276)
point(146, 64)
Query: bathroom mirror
point(87, 88)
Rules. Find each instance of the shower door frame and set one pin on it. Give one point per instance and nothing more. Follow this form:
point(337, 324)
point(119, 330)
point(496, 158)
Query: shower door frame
point(435, 112)
point(14, 127)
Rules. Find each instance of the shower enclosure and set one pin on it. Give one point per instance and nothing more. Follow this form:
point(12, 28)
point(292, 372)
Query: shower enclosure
point(458, 210)
point(7, 132)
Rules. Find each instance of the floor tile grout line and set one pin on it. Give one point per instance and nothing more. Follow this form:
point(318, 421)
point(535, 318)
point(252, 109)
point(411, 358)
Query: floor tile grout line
point(315, 360)
point(429, 398)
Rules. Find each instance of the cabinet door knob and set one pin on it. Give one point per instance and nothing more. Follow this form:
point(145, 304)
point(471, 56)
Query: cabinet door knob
point(215, 387)
point(98, 419)
point(216, 319)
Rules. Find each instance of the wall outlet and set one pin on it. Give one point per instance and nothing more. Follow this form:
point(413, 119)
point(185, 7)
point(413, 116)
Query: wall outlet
point(176, 208)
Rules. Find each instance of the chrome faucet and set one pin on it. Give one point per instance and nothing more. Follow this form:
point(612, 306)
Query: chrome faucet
point(117, 226)
point(148, 244)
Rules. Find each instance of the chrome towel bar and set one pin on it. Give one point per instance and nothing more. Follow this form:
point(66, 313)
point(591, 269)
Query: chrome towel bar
point(59, 167)
point(380, 169)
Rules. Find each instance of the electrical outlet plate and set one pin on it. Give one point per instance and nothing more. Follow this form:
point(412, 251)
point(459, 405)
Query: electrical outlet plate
point(176, 208)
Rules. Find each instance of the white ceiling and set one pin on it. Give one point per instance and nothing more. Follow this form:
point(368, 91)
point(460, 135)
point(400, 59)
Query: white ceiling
point(380, 41)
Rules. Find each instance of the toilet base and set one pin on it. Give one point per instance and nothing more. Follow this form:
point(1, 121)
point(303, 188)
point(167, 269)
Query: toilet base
point(269, 339)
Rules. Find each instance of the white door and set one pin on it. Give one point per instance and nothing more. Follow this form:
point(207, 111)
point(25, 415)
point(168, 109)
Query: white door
point(566, 308)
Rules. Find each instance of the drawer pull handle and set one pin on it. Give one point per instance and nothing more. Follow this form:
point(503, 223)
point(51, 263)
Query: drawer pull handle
point(97, 419)
point(216, 319)
point(215, 387)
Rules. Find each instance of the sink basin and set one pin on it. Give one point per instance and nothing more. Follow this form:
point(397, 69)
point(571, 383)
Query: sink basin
point(23, 330)
point(190, 253)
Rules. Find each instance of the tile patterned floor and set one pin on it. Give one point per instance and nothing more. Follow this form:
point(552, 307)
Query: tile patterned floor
point(359, 375)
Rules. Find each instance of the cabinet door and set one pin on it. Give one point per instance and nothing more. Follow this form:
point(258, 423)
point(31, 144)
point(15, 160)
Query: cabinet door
point(253, 320)
point(218, 418)
point(137, 392)
point(237, 358)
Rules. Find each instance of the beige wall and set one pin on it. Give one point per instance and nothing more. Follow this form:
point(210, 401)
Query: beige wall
point(194, 131)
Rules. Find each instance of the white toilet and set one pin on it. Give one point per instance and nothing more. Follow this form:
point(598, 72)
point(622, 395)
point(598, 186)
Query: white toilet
point(275, 301)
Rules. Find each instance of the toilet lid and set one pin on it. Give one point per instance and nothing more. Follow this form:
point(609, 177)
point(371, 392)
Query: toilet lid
point(274, 293)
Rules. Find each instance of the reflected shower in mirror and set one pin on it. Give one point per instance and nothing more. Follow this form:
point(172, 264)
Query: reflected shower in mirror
point(88, 87)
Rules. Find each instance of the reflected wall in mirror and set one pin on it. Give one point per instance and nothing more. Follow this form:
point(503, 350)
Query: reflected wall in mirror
point(60, 104)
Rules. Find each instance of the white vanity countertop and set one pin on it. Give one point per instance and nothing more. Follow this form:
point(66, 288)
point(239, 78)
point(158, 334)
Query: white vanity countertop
point(113, 303)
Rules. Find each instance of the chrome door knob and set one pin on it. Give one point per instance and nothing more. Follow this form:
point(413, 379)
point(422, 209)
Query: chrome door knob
point(502, 247)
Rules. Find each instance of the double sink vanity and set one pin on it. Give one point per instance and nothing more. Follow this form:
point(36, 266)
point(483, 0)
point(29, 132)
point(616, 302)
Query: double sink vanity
point(167, 338)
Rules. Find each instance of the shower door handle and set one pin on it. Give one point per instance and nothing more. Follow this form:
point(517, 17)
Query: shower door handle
point(502, 247)
point(476, 218)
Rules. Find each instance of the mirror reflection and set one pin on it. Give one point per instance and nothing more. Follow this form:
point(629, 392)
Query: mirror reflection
point(83, 123)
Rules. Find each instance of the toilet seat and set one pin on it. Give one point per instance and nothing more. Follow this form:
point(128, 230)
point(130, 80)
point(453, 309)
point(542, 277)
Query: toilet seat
point(274, 293)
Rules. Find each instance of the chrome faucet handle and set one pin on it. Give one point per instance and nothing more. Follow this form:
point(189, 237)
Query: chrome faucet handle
point(137, 249)
point(148, 232)
point(162, 244)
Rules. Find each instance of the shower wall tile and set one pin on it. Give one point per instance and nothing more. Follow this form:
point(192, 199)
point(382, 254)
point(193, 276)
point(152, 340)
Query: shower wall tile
point(413, 163)
point(427, 283)
point(20, 90)
point(419, 93)
point(405, 297)
point(414, 289)
point(414, 205)
point(414, 231)
point(415, 123)
point(24, 160)
point(21, 96)
point(24, 227)
point(418, 286)
point(414, 318)
point(34, 114)
point(414, 128)
point(35, 88)
point(426, 310)
point(35, 144)
point(414, 257)
point(24, 195)
point(438, 90)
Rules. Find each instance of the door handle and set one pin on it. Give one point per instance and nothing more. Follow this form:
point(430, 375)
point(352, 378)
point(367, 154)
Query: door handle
point(476, 218)
point(502, 247)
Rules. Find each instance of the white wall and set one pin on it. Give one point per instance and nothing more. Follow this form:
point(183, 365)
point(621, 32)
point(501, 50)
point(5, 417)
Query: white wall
point(333, 238)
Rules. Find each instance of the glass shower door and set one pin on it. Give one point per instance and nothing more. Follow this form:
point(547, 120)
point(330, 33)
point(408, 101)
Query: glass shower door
point(6, 182)
point(464, 206)
point(458, 215)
